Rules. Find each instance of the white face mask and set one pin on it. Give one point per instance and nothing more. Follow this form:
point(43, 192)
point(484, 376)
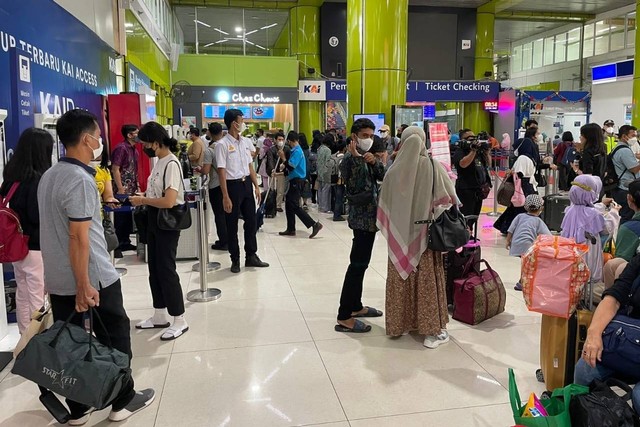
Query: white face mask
point(280, 144)
point(94, 163)
point(539, 139)
point(243, 127)
point(384, 134)
point(97, 152)
point(632, 141)
point(365, 144)
point(609, 130)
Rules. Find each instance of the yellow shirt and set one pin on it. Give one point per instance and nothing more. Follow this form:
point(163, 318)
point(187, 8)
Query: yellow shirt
point(102, 177)
point(611, 143)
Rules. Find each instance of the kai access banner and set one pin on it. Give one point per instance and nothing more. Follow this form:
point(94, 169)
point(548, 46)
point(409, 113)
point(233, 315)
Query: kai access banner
point(439, 136)
point(68, 65)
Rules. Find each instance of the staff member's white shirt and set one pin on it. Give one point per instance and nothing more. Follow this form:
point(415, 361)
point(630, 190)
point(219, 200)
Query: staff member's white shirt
point(234, 155)
point(173, 178)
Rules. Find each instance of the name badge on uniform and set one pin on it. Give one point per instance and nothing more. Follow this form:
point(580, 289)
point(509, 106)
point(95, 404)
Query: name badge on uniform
point(232, 149)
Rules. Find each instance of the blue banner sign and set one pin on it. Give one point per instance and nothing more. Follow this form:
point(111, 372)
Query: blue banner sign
point(69, 66)
point(137, 80)
point(430, 91)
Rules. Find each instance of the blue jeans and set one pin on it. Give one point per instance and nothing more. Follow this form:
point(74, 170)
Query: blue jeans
point(585, 374)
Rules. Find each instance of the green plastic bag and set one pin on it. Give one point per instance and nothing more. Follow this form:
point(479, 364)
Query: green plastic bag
point(557, 407)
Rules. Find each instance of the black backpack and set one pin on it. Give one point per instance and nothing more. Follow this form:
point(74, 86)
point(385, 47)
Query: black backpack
point(611, 178)
point(603, 407)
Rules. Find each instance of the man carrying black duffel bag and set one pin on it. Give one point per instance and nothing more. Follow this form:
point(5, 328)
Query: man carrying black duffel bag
point(77, 268)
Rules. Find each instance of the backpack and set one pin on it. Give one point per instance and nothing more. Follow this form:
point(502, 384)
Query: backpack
point(313, 163)
point(334, 166)
point(570, 156)
point(13, 242)
point(611, 178)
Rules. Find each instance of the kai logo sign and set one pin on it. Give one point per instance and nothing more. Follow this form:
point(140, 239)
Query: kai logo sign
point(312, 90)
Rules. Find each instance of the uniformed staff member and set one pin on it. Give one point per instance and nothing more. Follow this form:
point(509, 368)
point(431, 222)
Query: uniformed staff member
point(235, 170)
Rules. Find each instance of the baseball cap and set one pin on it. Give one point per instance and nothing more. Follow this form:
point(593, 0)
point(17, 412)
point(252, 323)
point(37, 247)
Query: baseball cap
point(384, 128)
point(609, 122)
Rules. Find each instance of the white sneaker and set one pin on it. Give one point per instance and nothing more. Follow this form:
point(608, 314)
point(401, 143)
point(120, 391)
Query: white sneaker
point(431, 341)
point(82, 420)
point(141, 400)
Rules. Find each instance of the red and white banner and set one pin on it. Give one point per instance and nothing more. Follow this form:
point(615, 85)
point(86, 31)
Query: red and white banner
point(439, 136)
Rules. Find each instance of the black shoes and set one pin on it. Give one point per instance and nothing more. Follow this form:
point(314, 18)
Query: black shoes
point(315, 230)
point(339, 218)
point(279, 210)
point(235, 267)
point(127, 247)
point(117, 253)
point(217, 246)
point(253, 261)
point(287, 233)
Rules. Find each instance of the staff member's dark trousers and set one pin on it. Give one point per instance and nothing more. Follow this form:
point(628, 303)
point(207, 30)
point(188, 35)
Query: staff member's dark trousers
point(292, 205)
point(123, 223)
point(215, 196)
point(351, 297)
point(118, 332)
point(241, 195)
point(471, 199)
point(162, 247)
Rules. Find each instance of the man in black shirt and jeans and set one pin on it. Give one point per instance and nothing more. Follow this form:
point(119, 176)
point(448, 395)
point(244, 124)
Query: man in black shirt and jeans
point(471, 165)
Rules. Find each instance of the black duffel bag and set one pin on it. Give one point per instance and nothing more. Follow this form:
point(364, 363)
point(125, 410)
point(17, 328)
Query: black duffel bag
point(602, 407)
point(70, 362)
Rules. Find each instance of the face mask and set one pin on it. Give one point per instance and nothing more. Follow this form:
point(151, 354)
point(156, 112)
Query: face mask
point(633, 141)
point(97, 152)
point(539, 139)
point(365, 144)
point(384, 134)
point(243, 127)
point(94, 163)
point(280, 144)
point(609, 130)
point(149, 151)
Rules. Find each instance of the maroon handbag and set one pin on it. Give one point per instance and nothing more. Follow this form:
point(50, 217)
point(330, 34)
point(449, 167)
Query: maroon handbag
point(479, 296)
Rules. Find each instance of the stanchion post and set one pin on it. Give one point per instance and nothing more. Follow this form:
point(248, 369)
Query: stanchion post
point(203, 232)
point(121, 270)
point(496, 185)
point(203, 294)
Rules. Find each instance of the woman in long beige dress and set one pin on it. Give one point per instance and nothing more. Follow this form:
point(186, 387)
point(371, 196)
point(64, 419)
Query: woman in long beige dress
point(415, 188)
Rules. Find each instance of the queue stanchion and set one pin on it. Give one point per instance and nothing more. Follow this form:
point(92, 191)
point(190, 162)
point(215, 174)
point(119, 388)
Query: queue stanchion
point(496, 185)
point(204, 231)
point(121, 270)
point(203, 294)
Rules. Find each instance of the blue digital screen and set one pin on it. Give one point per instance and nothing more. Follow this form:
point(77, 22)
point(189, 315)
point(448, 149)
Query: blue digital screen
point(429, 112)
point(604, 72)
point(214, 111)
point(624, 68)
point(263, 112)
point(377, 119)
point(246, 110)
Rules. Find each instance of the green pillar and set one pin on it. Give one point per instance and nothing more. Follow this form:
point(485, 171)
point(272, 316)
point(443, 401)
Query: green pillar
point(376, 56)
point(304, 24)
point(636, 76)
point(475, 118)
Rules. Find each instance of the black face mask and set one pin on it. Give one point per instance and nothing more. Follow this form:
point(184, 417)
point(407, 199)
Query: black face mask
point(149, 152)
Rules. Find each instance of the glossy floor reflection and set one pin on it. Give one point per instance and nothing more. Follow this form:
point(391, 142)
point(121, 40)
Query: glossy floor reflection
point(266, 354)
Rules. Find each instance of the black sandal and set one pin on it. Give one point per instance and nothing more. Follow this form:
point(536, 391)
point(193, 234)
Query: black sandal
point(358, 328)
point(371, 312)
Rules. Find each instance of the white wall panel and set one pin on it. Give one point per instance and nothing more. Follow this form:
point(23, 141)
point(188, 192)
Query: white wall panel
point(608, 100)
point(95, 14)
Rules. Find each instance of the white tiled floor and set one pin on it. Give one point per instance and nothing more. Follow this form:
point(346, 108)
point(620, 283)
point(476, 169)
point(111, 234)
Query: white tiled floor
point(266, 354)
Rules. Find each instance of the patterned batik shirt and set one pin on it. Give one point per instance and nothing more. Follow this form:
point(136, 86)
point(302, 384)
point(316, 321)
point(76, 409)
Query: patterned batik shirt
point(358, 175)
point(126, 157)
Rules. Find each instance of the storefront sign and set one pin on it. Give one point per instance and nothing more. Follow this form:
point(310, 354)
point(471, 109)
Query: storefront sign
point(138, 81)
point(417, 91)
point(64, 72)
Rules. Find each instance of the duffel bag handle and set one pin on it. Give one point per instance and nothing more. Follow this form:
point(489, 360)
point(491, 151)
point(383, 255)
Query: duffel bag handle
point(615, 382)
point(54, 341)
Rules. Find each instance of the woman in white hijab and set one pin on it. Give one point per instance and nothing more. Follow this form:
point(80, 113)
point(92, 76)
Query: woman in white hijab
point(415, 188)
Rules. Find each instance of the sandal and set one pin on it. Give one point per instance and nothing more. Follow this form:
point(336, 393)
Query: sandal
point(148, 324)
point(371, 312)
point(358, 328)
point(172, 333)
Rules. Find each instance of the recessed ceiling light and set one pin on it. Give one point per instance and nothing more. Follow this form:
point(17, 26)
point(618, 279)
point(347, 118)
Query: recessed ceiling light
point(238, 29)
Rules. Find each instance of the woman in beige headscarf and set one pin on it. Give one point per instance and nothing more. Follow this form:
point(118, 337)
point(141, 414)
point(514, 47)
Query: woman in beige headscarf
point(415, 188)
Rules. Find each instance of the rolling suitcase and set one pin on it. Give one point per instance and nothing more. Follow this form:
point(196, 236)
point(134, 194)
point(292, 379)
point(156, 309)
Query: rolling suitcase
point(562, 341)
point(460, 264)
point(553, 213)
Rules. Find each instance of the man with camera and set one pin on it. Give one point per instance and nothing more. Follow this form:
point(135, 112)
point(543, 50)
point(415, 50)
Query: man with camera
point(472, 160)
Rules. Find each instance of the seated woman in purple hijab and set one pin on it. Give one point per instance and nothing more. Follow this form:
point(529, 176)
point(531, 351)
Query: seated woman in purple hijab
point(583, 217)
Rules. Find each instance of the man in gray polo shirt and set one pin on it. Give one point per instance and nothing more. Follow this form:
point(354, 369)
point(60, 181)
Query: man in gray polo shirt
point(627, 169)
point(78, 272)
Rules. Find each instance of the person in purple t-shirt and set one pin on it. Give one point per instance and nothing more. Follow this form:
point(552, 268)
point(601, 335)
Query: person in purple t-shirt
point(124, 168)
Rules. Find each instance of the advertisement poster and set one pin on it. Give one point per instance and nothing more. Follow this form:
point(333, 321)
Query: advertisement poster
point(60, 64)
point(337, 115)
point(189, 122)
point(439, 136)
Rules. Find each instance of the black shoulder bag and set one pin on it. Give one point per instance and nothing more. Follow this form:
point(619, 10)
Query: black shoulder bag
point(177, 217)
point(366, 196)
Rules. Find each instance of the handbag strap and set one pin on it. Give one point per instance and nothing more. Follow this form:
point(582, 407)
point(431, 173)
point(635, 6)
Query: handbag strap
point(5, 200)
point(164, 176)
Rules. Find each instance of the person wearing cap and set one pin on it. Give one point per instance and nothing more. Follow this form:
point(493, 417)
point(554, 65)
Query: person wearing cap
point(526, 228)
point(234, 158)
point(390, 141)
point(609, 135)
point(627, 169)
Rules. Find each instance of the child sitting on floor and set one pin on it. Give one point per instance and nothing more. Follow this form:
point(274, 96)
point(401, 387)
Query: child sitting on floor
point(525, 229)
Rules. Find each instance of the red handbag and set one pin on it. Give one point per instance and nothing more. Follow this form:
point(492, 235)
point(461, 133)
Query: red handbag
point(479, 296)
point(13, 243)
